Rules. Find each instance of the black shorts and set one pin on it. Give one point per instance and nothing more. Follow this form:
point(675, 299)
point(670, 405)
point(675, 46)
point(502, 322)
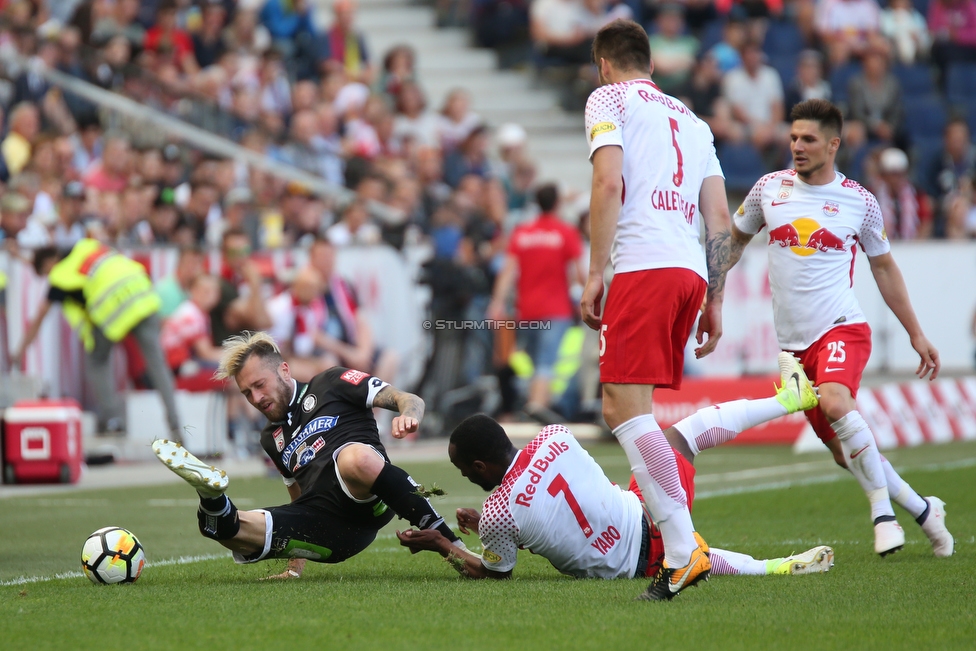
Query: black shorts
point(300, 530)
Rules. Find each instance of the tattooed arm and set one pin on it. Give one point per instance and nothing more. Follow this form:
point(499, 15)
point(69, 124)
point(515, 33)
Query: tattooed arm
point(718, 228)
point(411, 409)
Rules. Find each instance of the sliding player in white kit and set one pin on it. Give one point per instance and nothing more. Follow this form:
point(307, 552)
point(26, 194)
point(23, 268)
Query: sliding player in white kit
point(816, 219)
point(656, 179)
point(554, 500)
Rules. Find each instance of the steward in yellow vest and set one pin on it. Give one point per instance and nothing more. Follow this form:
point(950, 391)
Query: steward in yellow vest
point(104, 296)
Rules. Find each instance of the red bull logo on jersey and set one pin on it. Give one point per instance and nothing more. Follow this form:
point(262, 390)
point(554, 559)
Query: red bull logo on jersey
point(805, 237)
point(537, 469)
point(831, 208)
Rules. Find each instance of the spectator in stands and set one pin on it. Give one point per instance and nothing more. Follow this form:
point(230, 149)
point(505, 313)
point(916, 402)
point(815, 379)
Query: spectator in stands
point(906, 30)
point(456, 119)
point(809, 82)
point(171, 44)
point(239, 214)
point(907, 210)
point(121, 21)
point(543, 259)
point(344, 47)
point(30, 85)
point(598, 13)
point(297, 318)
point(208, 42)
point(245, 36)
point(87, 143)
point(430, 173)
point(848, 27)
point(875, 109)
point(355, 227)
point(347, 332)
point(174, 289)
point(958, 160)
point(307, 149)
point(672, 50)
point(952, 24)
point(185, 335)
point(14, 210)
point(110, 173)
point(70, 227)
point(25, 123)
point(398, 69)
point(556, 27)
point(734, 36)
point(164, 217)
point(414, 125)
point(755, 96)
point(242, 303)
point(961, 211)
point(471, 157)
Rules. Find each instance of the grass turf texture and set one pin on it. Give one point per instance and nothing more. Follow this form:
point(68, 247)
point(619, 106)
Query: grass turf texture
point(758, 500)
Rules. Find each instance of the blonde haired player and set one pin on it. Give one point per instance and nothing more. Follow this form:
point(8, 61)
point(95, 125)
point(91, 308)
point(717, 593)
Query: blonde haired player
point(816, 219)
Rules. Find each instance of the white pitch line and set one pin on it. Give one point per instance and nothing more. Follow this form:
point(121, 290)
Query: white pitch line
point(182, 560)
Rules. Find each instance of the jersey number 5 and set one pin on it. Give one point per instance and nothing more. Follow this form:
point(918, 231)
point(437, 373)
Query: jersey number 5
point(679, 176)
point(559, 485)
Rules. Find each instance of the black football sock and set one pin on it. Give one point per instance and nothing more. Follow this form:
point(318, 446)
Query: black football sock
point(217, 518)
point(400, 493)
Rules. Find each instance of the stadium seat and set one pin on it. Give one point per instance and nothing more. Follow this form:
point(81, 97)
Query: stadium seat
point(915, 80)
point(925, 116)
point(742, 165)
point(783, 37)
point(925, 153)
point(961, 84)
point(839, 79)
point(785, 65)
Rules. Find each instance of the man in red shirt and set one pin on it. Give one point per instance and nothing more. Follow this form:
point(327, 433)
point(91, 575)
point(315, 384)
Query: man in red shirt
point(170, 43)
point(544, 255)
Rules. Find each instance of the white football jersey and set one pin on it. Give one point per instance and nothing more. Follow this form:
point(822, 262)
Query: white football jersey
point(668, 152)
point(556, 501)
point(814, 232)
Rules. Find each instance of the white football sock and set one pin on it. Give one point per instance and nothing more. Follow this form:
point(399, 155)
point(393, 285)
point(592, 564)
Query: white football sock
point(656, 470)
point(901, 492)
point(864, 462)
point(726, 562)
point(713, 426)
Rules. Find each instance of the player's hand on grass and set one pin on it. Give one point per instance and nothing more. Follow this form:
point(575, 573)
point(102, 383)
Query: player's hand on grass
point(404, 425)
point(417, 540)
point(928, 358)
point(468, 520)
point(590, 303)
point(294, 571)
point(709, 328)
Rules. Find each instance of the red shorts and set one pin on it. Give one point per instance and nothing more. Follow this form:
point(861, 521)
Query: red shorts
point(655, 552)
point(839, 356)
point(646, 324)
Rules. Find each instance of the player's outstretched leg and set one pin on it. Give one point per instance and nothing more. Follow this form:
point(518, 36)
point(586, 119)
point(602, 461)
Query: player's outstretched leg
point(813, 561)
point(929, 512)
point(713, 426)
point(217, 515)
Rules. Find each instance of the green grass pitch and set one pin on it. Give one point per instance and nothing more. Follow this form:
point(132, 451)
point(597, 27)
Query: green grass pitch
point(760, 500)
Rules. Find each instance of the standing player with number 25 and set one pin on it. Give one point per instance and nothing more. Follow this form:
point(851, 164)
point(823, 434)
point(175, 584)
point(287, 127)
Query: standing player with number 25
point(816, 219)
point(654, 172)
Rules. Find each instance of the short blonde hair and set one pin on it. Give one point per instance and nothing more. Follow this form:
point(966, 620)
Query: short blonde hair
point(239, 348)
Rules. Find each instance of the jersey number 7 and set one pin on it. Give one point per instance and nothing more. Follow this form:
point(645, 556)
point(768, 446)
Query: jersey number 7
point(559, 485)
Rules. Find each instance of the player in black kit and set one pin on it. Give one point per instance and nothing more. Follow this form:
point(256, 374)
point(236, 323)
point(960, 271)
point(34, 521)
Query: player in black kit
point(323, 439)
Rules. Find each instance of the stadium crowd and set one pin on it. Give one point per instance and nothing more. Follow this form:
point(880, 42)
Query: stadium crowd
point(262, 74)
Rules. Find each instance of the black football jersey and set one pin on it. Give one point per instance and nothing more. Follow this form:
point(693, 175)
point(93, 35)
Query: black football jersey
point(332, 410)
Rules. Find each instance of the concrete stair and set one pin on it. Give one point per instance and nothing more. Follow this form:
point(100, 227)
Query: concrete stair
point(446, 60)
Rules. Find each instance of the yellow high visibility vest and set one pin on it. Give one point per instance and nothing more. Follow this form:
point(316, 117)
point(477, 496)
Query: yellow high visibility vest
point(118, 292)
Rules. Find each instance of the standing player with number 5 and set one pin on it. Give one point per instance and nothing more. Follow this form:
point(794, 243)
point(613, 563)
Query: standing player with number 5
point(816, 219)
point(654, 171)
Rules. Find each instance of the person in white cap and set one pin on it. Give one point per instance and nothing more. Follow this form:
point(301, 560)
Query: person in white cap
point(907, 210)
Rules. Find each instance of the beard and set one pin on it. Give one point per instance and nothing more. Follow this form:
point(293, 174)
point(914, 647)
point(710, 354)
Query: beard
point(282, 396)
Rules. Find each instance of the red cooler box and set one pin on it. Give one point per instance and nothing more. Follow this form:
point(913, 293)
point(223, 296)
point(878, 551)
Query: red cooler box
point(42, 442)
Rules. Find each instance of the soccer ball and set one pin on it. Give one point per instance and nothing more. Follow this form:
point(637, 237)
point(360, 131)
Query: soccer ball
point(112, 555)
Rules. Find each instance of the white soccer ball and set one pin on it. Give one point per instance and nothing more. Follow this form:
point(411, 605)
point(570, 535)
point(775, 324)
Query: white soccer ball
point(112, 555)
